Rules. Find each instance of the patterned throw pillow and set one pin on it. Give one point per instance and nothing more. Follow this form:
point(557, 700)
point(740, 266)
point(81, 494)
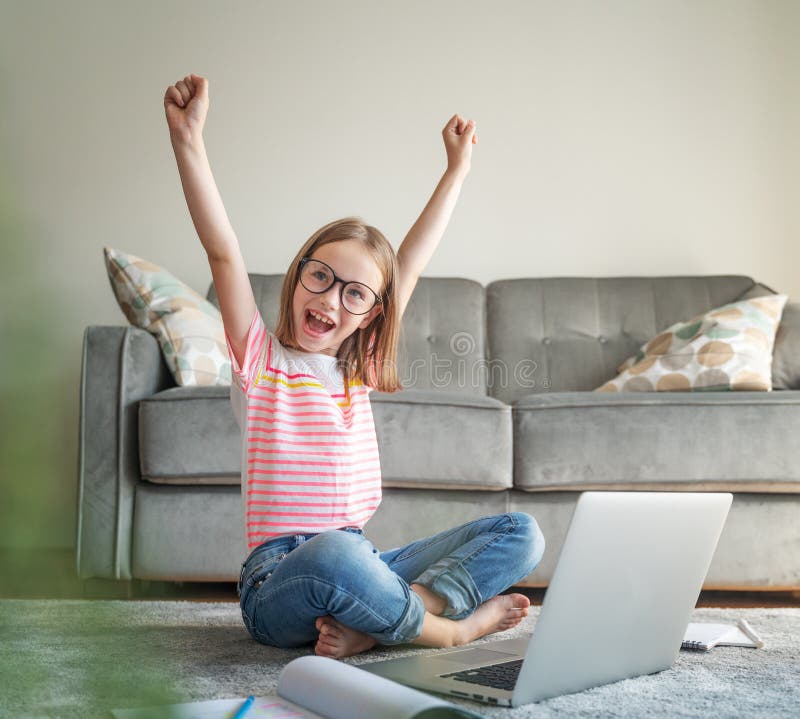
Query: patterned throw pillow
point(727, 348)
point(187, 326)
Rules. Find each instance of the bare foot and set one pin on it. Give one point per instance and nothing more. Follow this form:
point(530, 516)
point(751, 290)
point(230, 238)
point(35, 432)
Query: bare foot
point(337, 641)
point(495, 615)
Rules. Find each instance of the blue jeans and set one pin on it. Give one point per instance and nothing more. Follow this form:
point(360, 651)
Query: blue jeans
point(287, 582)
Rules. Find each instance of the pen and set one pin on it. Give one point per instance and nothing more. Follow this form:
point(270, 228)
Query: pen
point(244, 708)
point(751, 634)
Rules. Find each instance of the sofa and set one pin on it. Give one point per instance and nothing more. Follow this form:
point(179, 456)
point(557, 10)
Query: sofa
point(497, 414)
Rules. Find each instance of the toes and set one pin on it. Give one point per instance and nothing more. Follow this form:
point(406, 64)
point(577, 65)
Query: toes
point(322, 651)
point(520, 601)
point(327, 649)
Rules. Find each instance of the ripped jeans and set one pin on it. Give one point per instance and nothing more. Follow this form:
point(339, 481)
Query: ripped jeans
point(289, 581)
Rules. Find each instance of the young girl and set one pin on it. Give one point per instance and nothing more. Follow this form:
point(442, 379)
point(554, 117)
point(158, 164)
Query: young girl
point(311, 479)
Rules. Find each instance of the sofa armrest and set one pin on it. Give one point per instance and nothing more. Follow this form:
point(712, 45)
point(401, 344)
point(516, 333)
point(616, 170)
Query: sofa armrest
point(120, 366)
point(786, 353)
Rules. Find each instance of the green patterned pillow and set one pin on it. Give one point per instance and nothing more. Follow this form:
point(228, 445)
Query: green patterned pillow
point(187, 326)
point(727, 348)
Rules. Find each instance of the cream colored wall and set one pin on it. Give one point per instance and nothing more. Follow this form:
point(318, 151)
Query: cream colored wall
point(615, 138)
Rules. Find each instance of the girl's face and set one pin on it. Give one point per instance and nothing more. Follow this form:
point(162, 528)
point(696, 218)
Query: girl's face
point(351, 261)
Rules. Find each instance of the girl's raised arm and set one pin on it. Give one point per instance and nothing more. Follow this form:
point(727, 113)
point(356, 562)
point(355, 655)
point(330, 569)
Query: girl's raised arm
point(423, 237)
point(186, 106)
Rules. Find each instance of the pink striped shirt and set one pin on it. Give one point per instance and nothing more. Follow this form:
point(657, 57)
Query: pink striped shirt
point(309, 458)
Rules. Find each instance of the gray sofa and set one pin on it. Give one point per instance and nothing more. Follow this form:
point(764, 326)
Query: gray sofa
point(498, 415)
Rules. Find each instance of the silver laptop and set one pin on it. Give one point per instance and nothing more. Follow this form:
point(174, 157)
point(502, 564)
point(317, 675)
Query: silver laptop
point(627, 579)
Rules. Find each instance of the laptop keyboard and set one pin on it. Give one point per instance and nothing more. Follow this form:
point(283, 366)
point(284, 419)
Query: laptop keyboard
point(499, 676)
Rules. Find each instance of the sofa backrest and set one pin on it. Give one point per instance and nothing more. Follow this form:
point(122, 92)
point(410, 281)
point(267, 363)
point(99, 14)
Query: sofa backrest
point(442, 342)
point(267, 291)
point(555, 334)
point(566, 334)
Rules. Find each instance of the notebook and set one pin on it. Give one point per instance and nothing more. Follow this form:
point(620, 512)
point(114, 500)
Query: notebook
point(624, 588)
point(703, 636)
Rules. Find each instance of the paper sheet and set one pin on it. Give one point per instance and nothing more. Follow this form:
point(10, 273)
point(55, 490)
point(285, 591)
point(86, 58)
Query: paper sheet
point(347, 692)
point(269, 707)
point(325, 685)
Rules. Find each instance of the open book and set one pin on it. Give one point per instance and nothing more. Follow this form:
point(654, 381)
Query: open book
point(703, 636)
point(315, 687)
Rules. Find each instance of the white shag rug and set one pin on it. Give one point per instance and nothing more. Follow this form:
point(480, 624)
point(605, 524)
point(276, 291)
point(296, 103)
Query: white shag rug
point(82, 658)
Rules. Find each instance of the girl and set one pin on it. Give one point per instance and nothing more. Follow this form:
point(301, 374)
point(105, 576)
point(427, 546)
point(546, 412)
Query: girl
point(312, 476)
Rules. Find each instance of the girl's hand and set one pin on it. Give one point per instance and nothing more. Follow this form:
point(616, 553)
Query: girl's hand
point(459, 137)
point(186, 105)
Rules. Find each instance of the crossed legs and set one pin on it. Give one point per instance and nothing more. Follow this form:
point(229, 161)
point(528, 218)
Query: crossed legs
point(337, 591)
point(463, 562)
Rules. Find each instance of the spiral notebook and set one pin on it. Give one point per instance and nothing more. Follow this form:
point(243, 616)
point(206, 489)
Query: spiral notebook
point(703, 636)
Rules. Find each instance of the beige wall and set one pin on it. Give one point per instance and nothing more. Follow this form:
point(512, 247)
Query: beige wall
point(615, 138)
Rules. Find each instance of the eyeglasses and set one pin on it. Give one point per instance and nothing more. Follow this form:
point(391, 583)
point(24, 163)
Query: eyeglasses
point(317, 277)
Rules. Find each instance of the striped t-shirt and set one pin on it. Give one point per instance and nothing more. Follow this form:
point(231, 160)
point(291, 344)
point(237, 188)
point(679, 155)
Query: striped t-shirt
point(309, 457)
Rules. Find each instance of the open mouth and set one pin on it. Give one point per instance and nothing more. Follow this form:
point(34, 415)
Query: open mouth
point(315, 326)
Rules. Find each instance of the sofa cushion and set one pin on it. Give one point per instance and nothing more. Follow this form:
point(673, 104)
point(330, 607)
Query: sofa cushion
point(187, 435)
point(727, 348)
point(437, 439)
point(576, 331)
point(442, 345)
point(188, 327)
point(732, 441)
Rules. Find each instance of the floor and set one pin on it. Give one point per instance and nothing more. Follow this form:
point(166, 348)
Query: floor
point(42, 574)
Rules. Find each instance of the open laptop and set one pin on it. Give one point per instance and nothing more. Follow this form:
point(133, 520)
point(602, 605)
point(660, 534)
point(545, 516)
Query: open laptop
point(627, 579)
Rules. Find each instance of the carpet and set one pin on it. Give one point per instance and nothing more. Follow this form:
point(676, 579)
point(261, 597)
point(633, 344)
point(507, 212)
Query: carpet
point(77, 658)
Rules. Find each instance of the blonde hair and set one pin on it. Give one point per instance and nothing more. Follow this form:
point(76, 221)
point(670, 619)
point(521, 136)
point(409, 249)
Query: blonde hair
point(368, 355)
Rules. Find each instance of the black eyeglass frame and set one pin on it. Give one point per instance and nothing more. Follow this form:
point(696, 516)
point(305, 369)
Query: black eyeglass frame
point(336, 278)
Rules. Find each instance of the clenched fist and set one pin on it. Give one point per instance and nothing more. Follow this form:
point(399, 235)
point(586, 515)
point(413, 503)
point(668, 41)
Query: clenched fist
point(459, 137)
point(186, 105)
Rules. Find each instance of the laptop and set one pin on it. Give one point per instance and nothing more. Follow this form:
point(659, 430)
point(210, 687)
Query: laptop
point(624, 588)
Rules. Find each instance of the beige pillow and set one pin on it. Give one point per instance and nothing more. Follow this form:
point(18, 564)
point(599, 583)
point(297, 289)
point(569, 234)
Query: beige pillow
point(727, 348)
point(187, 326)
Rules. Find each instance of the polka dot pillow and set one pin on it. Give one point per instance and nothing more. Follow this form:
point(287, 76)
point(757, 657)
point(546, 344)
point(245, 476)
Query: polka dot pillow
point(187, 326)
point(727, 348)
